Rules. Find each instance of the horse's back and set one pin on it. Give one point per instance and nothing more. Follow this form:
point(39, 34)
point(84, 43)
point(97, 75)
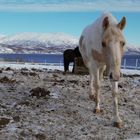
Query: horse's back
point(68, 51)
point(69, 55)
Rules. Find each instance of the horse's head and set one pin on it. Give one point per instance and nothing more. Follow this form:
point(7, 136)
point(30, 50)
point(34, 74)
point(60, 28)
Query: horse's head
point(113, 44)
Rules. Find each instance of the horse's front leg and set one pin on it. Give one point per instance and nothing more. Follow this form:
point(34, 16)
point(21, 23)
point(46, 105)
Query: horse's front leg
point(117, 121)
point(97, 91)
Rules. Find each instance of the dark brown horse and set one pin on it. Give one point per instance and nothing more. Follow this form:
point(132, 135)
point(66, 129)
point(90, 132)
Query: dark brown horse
point(68, 56)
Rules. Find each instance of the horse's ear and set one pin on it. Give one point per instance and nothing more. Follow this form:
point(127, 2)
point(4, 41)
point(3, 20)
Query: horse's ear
point(122, 23)
point(105, 23)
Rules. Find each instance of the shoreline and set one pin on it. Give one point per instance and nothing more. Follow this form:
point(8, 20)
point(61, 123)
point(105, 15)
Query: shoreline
point(53, 66)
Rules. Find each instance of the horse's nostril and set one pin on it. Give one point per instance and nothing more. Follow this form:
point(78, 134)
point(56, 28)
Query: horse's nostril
point(110, 76)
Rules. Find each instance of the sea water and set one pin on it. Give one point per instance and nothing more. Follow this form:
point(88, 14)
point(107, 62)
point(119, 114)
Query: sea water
point(128, 61)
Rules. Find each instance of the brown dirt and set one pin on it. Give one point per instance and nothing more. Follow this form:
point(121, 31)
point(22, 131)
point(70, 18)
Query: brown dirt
point(39, 92)
point(5, 79)
point(67, 113)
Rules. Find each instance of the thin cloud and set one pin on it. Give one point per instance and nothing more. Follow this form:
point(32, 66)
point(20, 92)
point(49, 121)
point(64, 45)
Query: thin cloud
point(70, 5)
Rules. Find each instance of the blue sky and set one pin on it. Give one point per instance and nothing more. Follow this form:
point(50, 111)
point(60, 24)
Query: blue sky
point(67, 16)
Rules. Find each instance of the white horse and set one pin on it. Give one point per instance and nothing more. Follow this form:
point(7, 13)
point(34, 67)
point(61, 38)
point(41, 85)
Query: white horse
point(102, 45)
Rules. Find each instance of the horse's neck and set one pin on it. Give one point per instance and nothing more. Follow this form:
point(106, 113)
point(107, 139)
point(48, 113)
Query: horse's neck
point(95, 35)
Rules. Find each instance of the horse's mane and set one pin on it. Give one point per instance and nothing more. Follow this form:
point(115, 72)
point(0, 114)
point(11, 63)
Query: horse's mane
point(99, 21)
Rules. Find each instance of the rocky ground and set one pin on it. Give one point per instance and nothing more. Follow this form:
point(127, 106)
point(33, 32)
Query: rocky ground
point(48, 105)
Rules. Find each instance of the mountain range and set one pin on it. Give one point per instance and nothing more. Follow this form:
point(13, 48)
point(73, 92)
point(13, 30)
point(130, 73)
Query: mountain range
point(44, 43)
point(37, 43)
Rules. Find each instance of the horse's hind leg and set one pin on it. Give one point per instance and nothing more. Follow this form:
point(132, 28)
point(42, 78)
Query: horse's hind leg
point(66, 66)
point(73, 67)
point(92, 90)
point(101, 72)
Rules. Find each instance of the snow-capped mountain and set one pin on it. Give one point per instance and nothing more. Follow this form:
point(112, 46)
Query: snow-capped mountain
point(131, 49)
point(44, 43)
point(37, 43)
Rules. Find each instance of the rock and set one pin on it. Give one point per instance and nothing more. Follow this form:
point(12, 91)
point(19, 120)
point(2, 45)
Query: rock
point(33, 74)
point(5, 79)
point(28, 73)
point(39, 92)
point(0, 71)
point(27, 103)
point(73, 81)
point(40, 136)
point(24, 73)
point(4, 121)
point(24, 69)
point(55, 75)
point(16, 118)
point(36, 70)
point(8, 69)
point(119, 86)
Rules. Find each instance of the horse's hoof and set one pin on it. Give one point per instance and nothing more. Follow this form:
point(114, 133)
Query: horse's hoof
point(92, 97)
point(64, 73)
point(98, 111)
point(118, 124)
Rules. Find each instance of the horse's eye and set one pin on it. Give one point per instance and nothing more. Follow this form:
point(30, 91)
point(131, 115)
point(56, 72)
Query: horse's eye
point(103, 44)
point(122, 43)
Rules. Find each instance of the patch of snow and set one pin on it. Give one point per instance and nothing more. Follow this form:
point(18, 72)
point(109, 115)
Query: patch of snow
point(130, 72)
point(53, 67)
point(134, 139)
point(28, 66)
point(55, 95)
